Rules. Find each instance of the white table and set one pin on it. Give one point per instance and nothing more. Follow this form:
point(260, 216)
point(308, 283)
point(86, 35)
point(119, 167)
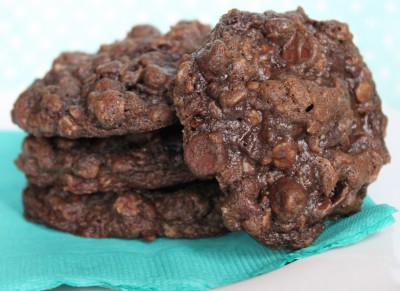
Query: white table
point(372, 264)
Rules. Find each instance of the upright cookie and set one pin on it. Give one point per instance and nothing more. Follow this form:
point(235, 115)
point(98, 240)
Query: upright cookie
point(124, 88)
point(143, 161)
point(284, 112)
point(190, 211)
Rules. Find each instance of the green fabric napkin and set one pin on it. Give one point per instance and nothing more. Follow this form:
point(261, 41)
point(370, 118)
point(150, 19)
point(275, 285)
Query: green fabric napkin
point(33, 257)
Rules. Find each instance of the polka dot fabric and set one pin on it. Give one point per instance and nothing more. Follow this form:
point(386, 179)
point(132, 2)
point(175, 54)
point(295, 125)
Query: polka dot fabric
point(34, 32)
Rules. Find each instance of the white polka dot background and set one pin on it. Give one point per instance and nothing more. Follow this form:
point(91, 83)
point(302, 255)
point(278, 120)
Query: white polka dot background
point(34, 32)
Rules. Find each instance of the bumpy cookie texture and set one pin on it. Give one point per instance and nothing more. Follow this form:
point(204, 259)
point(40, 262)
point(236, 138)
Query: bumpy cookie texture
point(190, 211)
point(145, 161)
point(283, 111)
point(124, 88)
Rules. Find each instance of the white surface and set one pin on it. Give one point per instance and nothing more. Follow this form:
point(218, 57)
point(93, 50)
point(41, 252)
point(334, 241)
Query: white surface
point(7, 99)
point(372, 264)
point(368, 265)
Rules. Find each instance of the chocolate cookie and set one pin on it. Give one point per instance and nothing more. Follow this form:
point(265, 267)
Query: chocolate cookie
point(124, 88)
point(190, 211)
point(284, 112)
point(142, 161)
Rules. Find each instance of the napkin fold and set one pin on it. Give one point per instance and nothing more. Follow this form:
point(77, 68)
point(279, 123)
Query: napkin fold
point(33, 257)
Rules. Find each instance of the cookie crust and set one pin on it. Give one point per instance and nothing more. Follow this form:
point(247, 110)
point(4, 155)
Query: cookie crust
point(142, 161)
point(124, 88)
point(187, 211)
point(284, 112)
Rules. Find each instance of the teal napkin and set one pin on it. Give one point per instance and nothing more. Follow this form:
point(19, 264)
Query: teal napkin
point(33, 257)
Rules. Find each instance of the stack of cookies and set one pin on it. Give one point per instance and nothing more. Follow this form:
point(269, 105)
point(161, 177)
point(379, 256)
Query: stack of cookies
point(278, 107)
point(104, 155)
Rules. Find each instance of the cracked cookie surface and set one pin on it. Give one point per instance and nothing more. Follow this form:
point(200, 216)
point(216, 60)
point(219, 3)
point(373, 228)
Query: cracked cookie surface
point(82, 166)
point(124, 88)
point(284, 112)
